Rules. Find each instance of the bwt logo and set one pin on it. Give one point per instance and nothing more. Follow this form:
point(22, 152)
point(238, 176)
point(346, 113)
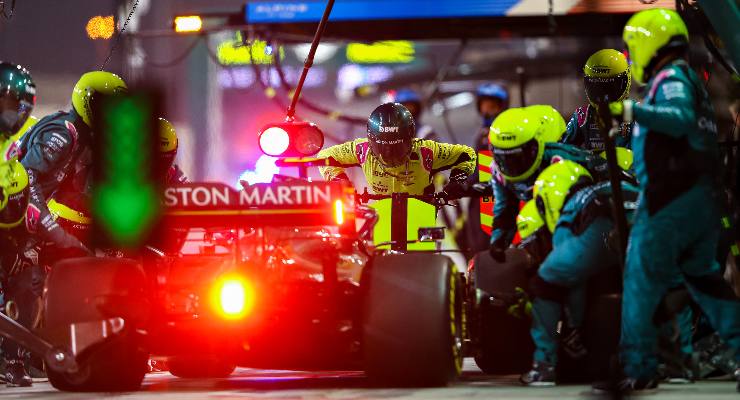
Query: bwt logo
point(388, 129)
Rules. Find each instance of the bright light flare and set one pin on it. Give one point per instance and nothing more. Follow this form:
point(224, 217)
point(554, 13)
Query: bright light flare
point(264, 170)
point(100, 27)
point(234, 297)
point(339, 212)
point(274, 141)
point(188, 23)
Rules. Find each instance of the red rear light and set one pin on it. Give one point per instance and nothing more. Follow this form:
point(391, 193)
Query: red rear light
point(339, 212)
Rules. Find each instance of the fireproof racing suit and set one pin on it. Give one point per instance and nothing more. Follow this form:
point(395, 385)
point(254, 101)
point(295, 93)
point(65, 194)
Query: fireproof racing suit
point(21, 276)
point(583, 131)
point(414, 177)
point(579, 250)
point(677, 221)
point(507, 195)
point(57, 155)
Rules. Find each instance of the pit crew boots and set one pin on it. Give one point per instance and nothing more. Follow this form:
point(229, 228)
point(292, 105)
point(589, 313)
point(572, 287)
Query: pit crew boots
point(541, 374)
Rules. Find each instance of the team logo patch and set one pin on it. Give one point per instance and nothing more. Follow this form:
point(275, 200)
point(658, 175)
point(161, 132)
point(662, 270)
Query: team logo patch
point(427, 158)
point(361, 151)
point(33, 214)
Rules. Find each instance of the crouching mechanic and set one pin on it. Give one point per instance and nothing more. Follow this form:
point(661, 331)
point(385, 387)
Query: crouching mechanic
point(606, 78)
point(521, 150)
point(577, 212)
point(57, 153)
point(394, 161)
point(676, 226)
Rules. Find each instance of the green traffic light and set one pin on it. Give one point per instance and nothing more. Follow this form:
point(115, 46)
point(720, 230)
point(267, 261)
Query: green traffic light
point(125, 198)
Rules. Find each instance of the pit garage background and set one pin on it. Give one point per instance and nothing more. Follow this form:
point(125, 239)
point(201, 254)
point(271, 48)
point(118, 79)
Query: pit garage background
point(223, 83)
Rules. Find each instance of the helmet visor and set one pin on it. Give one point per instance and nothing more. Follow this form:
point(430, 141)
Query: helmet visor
point(13, 113)
point(606, 89)
point(518, 160)
point(391, 153)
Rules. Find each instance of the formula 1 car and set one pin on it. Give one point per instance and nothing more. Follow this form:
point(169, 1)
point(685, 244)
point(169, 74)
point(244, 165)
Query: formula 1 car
point(277, 276)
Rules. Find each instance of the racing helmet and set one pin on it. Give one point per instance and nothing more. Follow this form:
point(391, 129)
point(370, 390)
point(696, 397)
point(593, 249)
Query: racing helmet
point(410, 99)
point(553, 124)
point(517, 144)
point(529, 220)
point(167, 143)
point(17, 98)
point(13, 194)
point(70, 211)
point(553, 185)
point(390, 133)
point(624, 157)
point(91, 84)
point(650, 34)
point(606, 77)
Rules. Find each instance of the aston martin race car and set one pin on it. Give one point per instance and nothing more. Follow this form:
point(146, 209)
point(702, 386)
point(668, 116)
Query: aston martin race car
point(283, 275)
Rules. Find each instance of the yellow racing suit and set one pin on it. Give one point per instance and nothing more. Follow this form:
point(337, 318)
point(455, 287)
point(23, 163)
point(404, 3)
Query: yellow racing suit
point(427, 158)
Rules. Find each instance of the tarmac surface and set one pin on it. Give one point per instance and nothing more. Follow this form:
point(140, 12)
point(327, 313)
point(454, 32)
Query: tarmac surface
point(248, 383)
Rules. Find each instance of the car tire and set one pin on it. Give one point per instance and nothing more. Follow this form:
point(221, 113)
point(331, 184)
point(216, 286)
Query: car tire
point(200, 367)
point(93, 289)
point(503, 344)
point(412, 320)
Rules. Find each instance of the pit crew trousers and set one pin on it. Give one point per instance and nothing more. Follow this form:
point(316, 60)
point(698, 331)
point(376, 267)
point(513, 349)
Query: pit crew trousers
point(572, 261)
point(679, 240)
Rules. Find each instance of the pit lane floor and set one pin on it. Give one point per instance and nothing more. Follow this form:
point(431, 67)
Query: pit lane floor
point(269, 384)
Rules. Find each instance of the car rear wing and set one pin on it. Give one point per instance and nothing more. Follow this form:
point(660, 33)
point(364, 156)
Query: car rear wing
point(211, 204)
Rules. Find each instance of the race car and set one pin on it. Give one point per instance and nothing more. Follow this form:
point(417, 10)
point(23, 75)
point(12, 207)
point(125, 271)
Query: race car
point(282, 275)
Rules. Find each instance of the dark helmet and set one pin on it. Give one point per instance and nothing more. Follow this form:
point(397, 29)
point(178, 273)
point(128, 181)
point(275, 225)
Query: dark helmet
point(17, 98)
point(390, 132)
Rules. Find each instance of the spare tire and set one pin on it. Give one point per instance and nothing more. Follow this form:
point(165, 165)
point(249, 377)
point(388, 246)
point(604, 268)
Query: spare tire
point(412, 320)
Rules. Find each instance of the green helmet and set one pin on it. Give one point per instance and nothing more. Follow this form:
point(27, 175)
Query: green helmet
point(651, 33)
point(552, 122)
point(517, 143)
point(606, 77)
point(17, 98)
point(90, 84)
point(553, 185)
point(529, 220)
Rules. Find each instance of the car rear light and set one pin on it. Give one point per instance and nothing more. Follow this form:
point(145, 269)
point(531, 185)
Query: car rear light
point(339, 212)
point(234, 297)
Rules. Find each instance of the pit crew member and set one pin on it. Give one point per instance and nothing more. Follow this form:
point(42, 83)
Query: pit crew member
point(394, 160)
point(675, 155)
point(606, 78)
point(57, 154)
point(520, 152)
point(577, 212)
